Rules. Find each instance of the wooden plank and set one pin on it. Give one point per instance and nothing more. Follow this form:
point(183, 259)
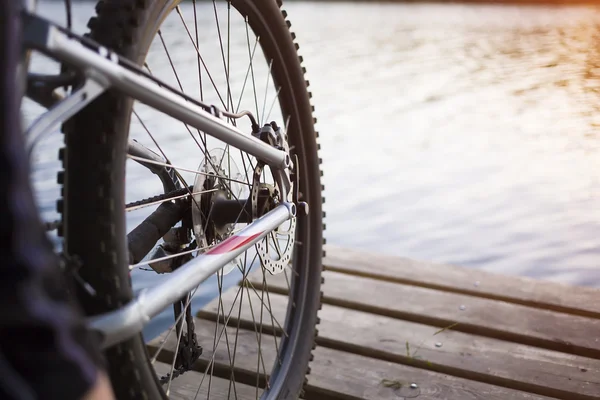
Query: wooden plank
point(520, 290)
point(349, 375)
point(483, 359)
point(543, 328)
point(185, 387)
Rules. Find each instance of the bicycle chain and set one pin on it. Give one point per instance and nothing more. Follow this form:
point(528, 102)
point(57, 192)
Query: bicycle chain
point(50, 226)
point(176, 373)
point(161, 197)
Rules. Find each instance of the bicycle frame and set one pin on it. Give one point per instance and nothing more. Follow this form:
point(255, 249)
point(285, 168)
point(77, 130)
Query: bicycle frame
point(102, 70)
point(125, 322)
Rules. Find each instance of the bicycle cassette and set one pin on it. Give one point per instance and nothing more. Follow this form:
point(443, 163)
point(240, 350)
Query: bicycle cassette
point(218, 174)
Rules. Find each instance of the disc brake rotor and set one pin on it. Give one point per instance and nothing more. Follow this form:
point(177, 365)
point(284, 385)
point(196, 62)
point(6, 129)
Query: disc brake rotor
point(275, 251)
point(217, 178)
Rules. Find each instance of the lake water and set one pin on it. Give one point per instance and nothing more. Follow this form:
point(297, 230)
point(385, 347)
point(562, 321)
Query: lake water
point(465, 134)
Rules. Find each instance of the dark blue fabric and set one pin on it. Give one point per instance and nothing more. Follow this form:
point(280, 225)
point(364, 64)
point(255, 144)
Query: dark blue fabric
point(45, 351)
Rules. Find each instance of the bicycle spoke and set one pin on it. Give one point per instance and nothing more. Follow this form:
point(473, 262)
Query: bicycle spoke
point(287, 280)
point(176, 348)
point(162, 40)
point(147, 160)
point(237, 109)
point(273, 102)
point(251, 68)
point(220, 309)
point(272, 319)
point(262, 298)
point(225, 65)
point(226, 321)
point(229, 52)
point(266, 92)
point(201, 58)
point(268, 308)
point(204, 150)
point(183, 253)
point(260, 359)
point(198, 47)
point(150, 133)
point(276, 244)
point(198, 58)
point(177, 174)
point(237, 332)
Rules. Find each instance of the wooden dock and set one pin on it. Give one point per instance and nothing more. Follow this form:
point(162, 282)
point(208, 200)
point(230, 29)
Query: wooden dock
point(393, 328)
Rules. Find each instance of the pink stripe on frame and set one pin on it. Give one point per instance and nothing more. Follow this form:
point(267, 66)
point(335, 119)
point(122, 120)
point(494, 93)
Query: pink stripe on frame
point(232, 243)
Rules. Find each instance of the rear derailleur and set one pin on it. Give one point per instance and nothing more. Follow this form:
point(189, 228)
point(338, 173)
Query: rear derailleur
point(188, 349)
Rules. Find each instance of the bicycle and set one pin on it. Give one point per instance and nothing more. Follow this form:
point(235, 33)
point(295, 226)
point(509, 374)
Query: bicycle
point(255, 204)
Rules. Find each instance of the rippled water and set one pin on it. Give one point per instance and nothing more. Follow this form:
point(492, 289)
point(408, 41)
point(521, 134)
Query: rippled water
point(462, 134)
point(465, 134)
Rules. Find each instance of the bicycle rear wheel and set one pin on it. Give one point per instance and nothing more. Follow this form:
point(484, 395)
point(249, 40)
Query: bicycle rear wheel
point(94, 223)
